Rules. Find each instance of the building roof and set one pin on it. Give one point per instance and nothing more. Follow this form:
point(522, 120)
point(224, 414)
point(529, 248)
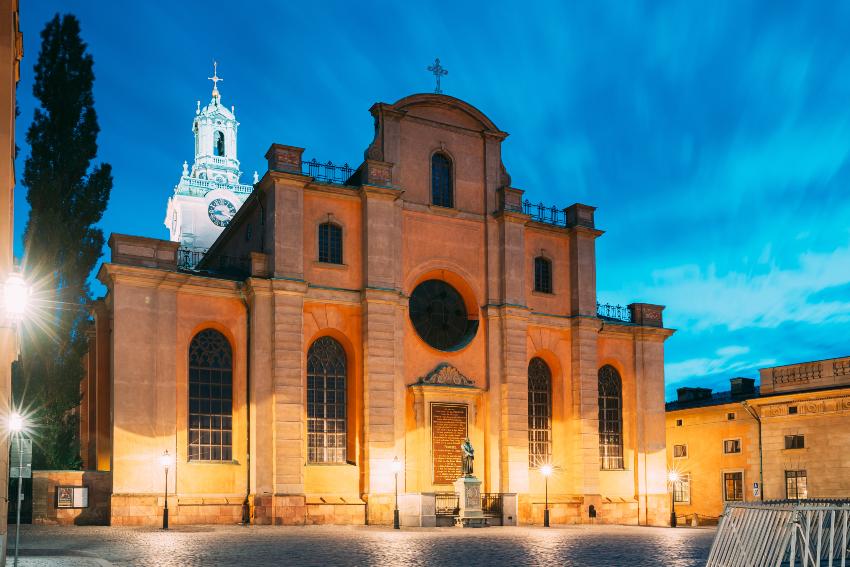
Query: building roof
point(715, 399)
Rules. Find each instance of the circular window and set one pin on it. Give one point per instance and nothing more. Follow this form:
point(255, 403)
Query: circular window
point(439, 316)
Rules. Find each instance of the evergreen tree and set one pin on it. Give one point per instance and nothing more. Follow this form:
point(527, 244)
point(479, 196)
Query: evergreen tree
point(67, 197)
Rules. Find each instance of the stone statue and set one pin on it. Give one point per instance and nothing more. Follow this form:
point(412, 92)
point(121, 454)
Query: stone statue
point(468, 457)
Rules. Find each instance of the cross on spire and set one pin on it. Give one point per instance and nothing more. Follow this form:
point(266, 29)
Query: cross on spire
point(215, 79)
point(438, 72)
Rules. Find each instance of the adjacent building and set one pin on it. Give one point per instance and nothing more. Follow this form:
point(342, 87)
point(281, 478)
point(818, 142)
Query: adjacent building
point(348, 324)
point(786, 439)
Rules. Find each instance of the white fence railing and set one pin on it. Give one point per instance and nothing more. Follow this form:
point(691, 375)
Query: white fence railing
point(779, 534)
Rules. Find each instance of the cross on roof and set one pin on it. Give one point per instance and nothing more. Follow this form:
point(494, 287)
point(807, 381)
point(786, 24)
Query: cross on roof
point(215, 78)
point(438, 72)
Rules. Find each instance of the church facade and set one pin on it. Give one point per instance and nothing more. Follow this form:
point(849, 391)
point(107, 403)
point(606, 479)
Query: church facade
point(339, 340)
point(210, 192)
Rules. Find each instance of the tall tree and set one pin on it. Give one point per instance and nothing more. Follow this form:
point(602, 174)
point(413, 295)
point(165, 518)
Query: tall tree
point(67, 197)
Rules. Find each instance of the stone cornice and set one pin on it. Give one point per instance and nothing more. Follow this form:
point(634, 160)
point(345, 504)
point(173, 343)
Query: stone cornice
point(372, 191)
point(137, 276)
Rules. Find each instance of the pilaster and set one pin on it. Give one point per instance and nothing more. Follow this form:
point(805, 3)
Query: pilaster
point(514, 400)
point(585, 411)
point(262, 387)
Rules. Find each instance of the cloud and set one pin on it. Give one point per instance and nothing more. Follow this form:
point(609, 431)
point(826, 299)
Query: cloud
point(732, 350)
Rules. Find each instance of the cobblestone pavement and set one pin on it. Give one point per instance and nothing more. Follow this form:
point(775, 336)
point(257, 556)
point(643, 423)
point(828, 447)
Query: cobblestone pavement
point(337, 545)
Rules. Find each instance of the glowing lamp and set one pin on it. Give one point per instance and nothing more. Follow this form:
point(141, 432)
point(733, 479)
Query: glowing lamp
point(166, 460)
point(16, 296)
point(396, 465)
point(673, 476)
point(546, 470)
point(16, 422)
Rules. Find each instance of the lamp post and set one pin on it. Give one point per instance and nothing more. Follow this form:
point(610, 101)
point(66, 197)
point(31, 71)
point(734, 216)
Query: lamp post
point(396, 470)
point(673, 477)
point(16, 427)
point(546, 471)
point(165, 460)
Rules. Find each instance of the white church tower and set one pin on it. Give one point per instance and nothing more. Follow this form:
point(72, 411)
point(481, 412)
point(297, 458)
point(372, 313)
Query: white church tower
point(208, 195)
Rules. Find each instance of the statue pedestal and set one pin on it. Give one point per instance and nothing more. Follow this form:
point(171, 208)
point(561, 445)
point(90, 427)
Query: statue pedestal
point(470, 514)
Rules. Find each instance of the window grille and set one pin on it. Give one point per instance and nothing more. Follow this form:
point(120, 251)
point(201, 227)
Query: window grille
point(610, 418)
point(542, 275)
point(441, 181)
point(210, 397)
point(795, 441)
point(539, 413)
point(680, 451)
point(733, 486)
point(326, 402)
point(732, 446)
point(795, 485)
point(330, 243)
point(792, 410)
point(678, 423)
point(731, 416)
point(682, 488)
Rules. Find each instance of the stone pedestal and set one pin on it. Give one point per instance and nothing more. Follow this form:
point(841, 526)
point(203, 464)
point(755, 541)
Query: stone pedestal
point(470, 514)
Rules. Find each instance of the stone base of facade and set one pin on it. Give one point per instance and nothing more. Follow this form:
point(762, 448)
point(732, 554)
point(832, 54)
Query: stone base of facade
point(299, 510)
point(45, 510)
point(380, 508)
point(658, 510)
point(566, 509)
point(146, 509)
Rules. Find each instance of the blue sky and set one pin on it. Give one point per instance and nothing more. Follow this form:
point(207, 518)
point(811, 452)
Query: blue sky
point(714, 137)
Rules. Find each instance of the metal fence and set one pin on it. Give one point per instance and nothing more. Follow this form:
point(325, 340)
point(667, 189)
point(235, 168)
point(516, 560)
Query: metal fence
point(616, 312)
point(540, 212)
point(491, 504)
point(327, 172)
point(778, 534)
point(448, 504)
point(188, 259)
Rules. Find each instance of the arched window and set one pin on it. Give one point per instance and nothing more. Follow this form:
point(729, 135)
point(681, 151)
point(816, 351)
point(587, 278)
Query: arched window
point(441, 181)
point(330, 243)
point(539, 413)
point(610, 418)
point(218, 143)
point(542, 275)
point(210, 397)
point(326, 396)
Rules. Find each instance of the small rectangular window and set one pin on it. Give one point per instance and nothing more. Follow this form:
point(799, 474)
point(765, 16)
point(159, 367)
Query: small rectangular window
point(733, 486)
point(678, 423)
point(680, 451)
point(792, 410)
point(730, 416)
point(732, 446)
point(682, 488)
point(795, 485)
point(795, 441)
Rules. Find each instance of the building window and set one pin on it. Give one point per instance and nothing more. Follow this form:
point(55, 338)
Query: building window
point(326, 396)
point(610, 418)
point(210, 397)
point(792, 410)
point(218, 143)
point(330, 243)
point(678, 423)
point(730, 416)
point(795, 485)
point(441, 181)
point(682, 488)
point(680, 451)
point(542, 275)
point(539, 413)
point(795, 441)
point(733, 486)
point(732, 446)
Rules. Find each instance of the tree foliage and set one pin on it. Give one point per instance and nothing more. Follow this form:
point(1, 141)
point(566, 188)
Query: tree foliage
point(67, 197)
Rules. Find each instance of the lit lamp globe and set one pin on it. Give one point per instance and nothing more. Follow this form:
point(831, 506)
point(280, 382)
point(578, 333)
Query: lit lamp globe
point(15, 296)
point(396, 465)
point(673, 476)
point(16, 422)
point(165, 460)
point(546, 470)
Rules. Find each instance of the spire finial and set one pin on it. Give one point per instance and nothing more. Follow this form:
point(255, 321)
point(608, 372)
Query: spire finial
point(215, 79)
point(438, 71)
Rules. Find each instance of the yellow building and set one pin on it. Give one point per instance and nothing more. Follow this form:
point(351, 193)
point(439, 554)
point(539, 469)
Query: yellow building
point(788, 439)
point(11, 51)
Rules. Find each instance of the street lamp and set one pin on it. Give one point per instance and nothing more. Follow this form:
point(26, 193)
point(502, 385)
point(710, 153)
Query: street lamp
point(673, 477)
point(165, 460)
point(16, 428)
point(396, 470)
point(16, 295)
point(546, 471)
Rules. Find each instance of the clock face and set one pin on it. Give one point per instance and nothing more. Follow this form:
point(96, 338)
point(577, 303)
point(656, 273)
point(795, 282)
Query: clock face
point(221, 211)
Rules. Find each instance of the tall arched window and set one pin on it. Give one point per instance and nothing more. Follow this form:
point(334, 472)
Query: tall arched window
point(326, 397)
point(441, 181)
point(610, 418)
point(210, 397)
point(218, 143)
point(330, 243)
point(539, 413)
point(542, 275)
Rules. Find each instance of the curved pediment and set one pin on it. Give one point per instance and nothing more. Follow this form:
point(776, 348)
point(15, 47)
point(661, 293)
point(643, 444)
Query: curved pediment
point(445, 110)
point(445, 375)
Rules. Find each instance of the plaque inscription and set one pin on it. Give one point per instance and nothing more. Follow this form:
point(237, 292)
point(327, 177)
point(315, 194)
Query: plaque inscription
point(448, 430)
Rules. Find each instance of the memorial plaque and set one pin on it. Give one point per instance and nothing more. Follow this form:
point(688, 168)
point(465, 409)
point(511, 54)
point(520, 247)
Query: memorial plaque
point(448, 430)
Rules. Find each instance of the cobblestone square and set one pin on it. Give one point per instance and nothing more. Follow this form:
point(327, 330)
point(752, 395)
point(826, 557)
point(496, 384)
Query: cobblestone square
point(333, 545)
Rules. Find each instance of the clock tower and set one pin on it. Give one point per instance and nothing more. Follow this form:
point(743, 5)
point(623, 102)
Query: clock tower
point(209, 193)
